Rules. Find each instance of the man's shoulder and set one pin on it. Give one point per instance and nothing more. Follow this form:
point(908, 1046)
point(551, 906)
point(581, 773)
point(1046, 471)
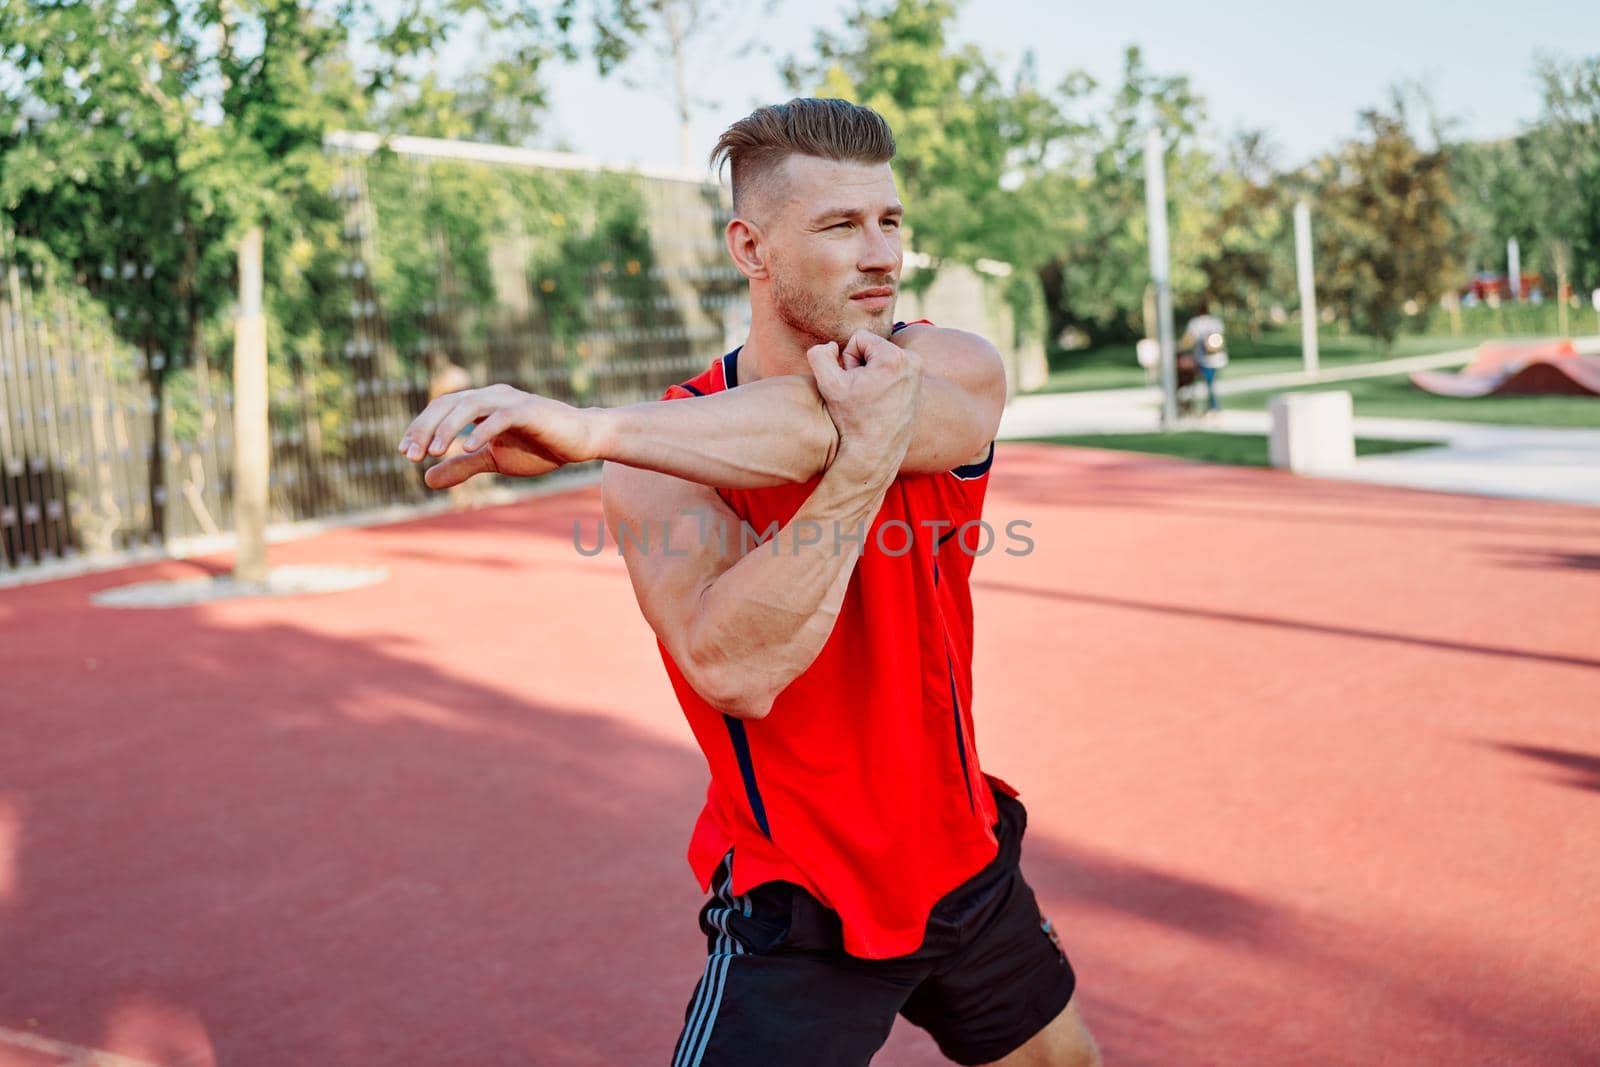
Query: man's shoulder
point(948, 342)
point(902, 332)
point(715, 378)
point(919, 330)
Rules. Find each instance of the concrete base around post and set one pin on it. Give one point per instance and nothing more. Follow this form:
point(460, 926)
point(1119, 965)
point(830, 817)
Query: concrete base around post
point(1313, 433)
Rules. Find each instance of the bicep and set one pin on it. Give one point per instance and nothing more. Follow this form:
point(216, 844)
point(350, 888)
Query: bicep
point(676, 538)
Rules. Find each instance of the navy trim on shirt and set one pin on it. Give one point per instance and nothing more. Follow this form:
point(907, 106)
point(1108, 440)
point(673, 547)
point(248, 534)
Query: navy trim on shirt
point(747, 769)
point(961, 735)
point(690, 388)
point(975, 470)
point(730, 368)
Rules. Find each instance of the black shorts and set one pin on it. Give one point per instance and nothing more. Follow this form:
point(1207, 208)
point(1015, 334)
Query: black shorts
point(779, 989)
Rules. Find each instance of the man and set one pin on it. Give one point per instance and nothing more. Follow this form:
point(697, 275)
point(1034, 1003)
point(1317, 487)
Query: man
point(861, 863)
point(1202, 336)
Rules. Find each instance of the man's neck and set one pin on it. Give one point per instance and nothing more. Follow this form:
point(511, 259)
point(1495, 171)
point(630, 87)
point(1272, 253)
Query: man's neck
point(773, 348)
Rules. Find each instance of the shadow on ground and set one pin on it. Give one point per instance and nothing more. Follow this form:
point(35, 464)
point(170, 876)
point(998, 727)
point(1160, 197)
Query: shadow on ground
point(303, 850)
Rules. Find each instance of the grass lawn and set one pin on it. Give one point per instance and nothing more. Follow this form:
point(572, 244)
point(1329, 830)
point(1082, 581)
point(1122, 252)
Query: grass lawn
point(1395, 397)
point(1115, 367)
point(1235, 449)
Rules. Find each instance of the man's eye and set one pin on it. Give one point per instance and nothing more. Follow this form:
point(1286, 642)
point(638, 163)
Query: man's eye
point(841, 226)
point(891, 224)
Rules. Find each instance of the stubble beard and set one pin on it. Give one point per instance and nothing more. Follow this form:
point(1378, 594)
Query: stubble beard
point(823, 319)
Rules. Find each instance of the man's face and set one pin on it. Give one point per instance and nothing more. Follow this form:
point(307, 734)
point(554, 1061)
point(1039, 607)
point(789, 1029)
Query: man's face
point(833, 234)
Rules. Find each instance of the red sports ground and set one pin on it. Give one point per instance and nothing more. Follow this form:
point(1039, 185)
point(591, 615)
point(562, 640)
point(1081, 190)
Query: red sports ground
point(1312, 768)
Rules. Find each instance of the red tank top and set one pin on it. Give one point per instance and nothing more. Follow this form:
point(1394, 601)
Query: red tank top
point(862, 784)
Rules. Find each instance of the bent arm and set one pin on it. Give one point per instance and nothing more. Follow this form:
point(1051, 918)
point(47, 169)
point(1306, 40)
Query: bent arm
point(777, 430)
point(740, 626)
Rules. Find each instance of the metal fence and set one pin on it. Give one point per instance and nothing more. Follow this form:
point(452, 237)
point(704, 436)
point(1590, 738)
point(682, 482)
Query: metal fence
point(457, 264)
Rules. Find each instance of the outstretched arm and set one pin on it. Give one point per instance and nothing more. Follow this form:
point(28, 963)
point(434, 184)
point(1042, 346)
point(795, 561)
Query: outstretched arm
point(767, 432)
point(777, 430)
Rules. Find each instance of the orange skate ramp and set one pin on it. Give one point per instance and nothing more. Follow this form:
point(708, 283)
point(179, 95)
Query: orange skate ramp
point(1539, 368)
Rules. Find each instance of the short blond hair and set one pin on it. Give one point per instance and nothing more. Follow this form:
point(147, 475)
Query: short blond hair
point(807, 126)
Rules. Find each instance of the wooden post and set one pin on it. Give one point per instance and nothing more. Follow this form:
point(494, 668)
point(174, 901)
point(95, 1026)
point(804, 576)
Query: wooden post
point(251, 437)
point(1563, 290)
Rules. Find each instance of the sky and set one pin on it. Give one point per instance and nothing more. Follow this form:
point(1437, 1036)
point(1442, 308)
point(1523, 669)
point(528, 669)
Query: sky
point(1300, 71)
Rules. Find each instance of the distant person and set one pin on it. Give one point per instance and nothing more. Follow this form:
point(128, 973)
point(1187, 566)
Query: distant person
point(1202, 337)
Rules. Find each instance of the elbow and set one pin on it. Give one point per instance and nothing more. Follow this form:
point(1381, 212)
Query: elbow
point(724, 690)
point(726, 685)
point(722, 677)
point(748, 707)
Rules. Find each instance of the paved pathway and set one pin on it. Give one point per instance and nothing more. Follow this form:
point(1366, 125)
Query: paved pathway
point(1524, 462)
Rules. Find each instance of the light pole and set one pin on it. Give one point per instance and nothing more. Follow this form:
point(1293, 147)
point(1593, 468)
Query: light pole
point(1308, 285)
point(1155, 203)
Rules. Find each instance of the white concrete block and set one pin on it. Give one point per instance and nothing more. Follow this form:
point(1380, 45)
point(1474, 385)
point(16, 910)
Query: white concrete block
point(1313, 433)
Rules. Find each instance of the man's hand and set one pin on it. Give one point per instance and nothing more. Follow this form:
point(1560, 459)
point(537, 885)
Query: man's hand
point(516, 433)
point(871, 391)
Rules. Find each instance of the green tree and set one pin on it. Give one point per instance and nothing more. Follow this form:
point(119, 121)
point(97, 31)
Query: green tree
point(1564, 153)
point(1542, 185)
point(1386, 232)
point(965, 139)
point(1050, 180)
point(1244, 252)
point(1098, 270)
point(1496, 196)
point(140, 138)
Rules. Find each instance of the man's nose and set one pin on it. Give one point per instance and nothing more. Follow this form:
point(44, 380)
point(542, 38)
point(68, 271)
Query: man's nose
point(881, 255)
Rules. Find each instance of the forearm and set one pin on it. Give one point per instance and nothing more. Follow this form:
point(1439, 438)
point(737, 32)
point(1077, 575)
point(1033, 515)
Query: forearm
point(775, 431)
point(768, 432)
point(762, 622)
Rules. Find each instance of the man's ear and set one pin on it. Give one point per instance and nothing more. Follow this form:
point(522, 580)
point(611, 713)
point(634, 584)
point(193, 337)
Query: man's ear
point(748, 247)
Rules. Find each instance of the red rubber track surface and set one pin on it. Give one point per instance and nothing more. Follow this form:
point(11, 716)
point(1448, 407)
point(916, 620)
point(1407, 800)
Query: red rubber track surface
point(1313, 774)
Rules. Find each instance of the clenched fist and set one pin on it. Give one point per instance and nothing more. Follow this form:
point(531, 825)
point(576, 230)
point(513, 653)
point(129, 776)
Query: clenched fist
point(871, 389)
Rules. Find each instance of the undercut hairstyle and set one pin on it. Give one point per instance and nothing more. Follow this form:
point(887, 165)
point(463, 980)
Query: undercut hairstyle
point(838, 130)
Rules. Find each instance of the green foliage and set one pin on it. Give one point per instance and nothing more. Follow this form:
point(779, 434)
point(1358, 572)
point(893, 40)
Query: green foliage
point(1504, 319)
point(1243, 237)
point(1096, 280)
point(1497, 197)
point(1233, 449)
point(139, 139)
point(1052, 181)
point(1565, 158)
point(1049, 180)
point(616, 254)
point(1384, 229)
point(432, 261)
point(583, 239)
point(1541, 186)
point(1394, 397)
point(964, 139)
point(1025, 297)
